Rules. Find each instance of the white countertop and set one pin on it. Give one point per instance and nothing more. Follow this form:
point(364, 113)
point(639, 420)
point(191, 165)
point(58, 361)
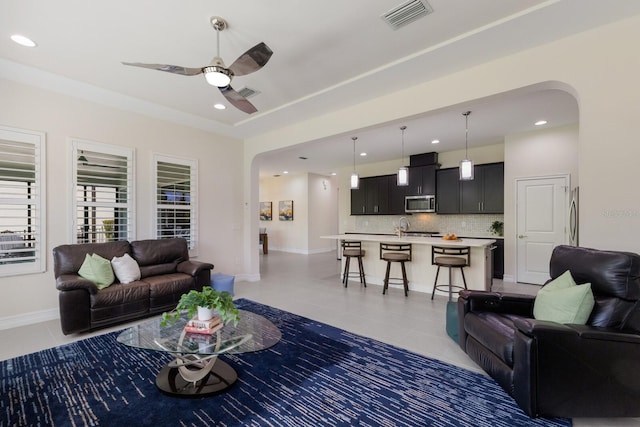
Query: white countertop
point(412, 239)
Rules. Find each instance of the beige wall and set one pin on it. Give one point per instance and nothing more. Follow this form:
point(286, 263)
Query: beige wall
point(61, 117)
point(315, 204)
point(595, 66)
point(323, 212)
point(287, 236)
point(534, 154)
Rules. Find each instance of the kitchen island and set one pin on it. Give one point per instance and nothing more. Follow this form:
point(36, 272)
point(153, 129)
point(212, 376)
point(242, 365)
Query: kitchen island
point(420, 272)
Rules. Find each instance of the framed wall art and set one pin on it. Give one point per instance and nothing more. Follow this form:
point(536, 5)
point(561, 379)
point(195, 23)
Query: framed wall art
point(285, 210)
point(265, 211)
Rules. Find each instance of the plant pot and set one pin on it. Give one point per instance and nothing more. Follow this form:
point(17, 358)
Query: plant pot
point(205, 313)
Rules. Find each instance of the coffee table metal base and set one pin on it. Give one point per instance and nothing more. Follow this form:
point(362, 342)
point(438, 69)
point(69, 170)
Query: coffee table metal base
point(221, 377)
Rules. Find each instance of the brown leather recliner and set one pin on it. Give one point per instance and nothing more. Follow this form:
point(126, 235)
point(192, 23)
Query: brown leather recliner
point(559, 370)
point(166, 273)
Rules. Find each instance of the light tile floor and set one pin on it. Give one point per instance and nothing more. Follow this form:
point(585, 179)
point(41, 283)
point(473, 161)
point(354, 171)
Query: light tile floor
point(309, 285)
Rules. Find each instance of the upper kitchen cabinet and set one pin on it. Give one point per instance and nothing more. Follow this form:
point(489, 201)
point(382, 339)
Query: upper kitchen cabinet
point(447, 191)
point(485, 193)
point(422, 180)
point(372, 198)
point(396, 196)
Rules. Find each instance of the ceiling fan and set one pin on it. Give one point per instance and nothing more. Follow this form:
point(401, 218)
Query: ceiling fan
point(217, 74)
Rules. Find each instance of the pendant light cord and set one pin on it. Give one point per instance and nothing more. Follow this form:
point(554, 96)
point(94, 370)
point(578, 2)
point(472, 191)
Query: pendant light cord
point(466, 134)
point(402, 128)
point(354, 152)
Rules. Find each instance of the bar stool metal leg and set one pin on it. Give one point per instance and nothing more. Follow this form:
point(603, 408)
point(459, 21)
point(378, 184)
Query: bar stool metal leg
point(345, 274)
point(405, 282)
point(386, 279)
point(363, 280)
point(435, 282)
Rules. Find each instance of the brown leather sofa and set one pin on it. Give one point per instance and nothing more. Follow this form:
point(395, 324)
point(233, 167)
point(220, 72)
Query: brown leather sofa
point(563, 370)
point(166, 273)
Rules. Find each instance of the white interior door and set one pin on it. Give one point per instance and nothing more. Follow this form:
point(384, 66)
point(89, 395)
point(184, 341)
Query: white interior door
point(541, 220)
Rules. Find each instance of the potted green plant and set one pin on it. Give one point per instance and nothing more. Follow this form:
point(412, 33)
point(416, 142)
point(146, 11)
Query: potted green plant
point(220, 302)
point(497, 227)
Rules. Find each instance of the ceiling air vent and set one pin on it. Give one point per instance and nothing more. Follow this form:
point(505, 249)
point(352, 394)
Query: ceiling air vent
point(247, 92)
point(406, 13)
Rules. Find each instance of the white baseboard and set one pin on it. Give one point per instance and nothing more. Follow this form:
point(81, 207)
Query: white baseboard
point(302, 251)
point(321, 251)
point(9, 322)
point(508, 278)
point(248, 277)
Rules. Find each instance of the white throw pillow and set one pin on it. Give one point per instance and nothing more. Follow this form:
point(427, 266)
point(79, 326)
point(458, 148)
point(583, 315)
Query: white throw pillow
point(126, 268)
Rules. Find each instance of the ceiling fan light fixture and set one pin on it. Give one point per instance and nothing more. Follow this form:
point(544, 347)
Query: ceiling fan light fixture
point(217, 76)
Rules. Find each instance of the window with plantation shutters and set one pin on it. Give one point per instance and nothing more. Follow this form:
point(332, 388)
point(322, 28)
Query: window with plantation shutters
point(22, 204)
point(104, 196)
point(176, 193)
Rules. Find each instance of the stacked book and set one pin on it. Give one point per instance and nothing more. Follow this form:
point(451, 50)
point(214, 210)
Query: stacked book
point(198, 326)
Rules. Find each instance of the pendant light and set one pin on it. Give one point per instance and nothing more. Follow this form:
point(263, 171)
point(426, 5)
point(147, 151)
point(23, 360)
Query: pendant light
point(403, 171)
point(355, 179)
point(466, 165)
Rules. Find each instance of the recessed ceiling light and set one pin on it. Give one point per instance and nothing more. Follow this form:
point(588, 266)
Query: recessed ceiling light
point(363, 154)
point(285, 172)
point(540, 122)
point(23, 41)
point(333, 174)
point(220, 107)
point(435, 141)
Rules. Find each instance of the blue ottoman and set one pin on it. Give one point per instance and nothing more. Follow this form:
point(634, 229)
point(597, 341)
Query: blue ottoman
point(222, 282)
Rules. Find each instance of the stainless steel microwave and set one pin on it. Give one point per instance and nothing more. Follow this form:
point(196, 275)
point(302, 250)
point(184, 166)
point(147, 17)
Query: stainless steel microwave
point(415, 204)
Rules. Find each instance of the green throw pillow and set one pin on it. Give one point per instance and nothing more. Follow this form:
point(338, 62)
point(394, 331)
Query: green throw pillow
point(98, 270)
point(562, 301)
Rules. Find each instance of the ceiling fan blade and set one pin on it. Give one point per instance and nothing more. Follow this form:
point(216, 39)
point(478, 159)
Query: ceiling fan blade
point(175, 69)
point(237, 100)
point(252, 60)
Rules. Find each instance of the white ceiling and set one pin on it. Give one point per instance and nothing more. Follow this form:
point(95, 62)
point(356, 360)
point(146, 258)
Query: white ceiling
point(327, 55)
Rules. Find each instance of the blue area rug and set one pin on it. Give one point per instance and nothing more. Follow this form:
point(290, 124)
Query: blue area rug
point(317, 375)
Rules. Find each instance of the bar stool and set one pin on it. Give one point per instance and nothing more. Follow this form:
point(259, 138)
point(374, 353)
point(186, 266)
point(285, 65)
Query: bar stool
point(450, 257)
point(395, 252)
point(353, 249)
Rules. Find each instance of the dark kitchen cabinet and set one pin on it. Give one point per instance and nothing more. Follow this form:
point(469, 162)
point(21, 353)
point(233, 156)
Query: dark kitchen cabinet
point(485, 193)
point(447, 191)
point(422, 180)
point(372, 198)
point(358, 200)
point(377, 194)
point(396, 196)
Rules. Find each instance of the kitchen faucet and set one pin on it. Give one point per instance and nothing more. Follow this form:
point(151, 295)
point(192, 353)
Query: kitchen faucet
point(403, 225)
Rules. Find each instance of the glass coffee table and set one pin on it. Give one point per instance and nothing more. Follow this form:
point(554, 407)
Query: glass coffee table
point(196, 369)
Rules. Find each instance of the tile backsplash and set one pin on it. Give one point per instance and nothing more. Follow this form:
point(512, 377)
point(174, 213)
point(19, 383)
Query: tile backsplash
point(463, 225)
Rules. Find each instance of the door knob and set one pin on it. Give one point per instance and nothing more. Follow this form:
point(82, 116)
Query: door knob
point(521, 236)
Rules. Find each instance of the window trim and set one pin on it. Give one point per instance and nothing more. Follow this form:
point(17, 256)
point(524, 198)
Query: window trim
point(78, 145)
point(38, 139)
point(193, 204)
